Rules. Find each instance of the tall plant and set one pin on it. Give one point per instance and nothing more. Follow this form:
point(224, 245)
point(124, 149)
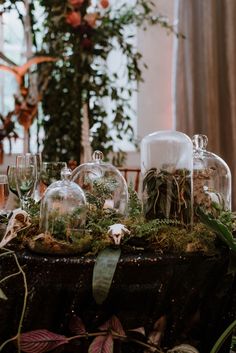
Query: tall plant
point(82, 36)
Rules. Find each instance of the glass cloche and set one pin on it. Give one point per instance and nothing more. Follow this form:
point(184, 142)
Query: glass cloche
point(63, 209)
point(166, 166)
point(103, 184)
point(211, 178)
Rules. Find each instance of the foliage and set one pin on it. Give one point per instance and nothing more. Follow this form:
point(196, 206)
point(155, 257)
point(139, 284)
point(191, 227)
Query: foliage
point(41, 341)
point(168, 195)
point(226, 334)
point(83, 38)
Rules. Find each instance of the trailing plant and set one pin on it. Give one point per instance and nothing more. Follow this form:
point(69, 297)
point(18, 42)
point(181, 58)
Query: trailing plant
point(41, 341)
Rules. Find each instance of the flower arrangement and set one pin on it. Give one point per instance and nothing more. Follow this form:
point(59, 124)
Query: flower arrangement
point(83, 34)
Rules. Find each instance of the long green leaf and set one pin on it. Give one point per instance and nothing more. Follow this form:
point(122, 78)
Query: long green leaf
point(222, 231)
point(223, 337)
point(103, 273)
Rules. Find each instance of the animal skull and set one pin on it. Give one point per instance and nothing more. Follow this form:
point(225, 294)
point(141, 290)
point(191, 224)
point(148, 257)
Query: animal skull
point(117, 232)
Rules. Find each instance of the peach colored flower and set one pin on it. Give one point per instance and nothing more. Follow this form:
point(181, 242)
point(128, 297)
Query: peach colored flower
point(91, 19)
point(73, 18)
point(76, 3)
point(104, 3)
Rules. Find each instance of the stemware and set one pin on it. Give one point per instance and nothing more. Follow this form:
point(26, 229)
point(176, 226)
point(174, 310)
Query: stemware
point(11, 176)
point(4, 193)
point(25, 178)
point(37, 191)
point(51, 172)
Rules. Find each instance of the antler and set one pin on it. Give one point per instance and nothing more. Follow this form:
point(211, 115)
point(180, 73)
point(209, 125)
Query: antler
point(20, 71)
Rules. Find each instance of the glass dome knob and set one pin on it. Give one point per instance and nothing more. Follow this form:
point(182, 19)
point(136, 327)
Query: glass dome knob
point(66, 174)
point(98, 156)
point(200, 142)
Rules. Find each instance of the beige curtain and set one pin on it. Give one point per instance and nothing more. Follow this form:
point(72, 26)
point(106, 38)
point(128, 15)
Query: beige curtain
point(205, 75)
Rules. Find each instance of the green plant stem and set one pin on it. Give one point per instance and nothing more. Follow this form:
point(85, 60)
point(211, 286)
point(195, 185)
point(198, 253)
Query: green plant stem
point(7, 341)
point(223, 337)
point(12, 275)
point(17, 337)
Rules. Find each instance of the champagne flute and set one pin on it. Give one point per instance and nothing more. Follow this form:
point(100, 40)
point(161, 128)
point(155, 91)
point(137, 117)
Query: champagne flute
point(4, 193)
point(38, 166)
point(11, 176)
point(25, 178)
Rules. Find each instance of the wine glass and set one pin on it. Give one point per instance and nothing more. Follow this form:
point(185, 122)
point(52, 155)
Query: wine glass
point(51, 171)
point(4, 193)
point(25, 178)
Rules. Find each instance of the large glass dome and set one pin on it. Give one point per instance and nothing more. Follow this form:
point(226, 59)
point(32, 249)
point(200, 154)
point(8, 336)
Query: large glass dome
point(63, 209)
point(166, 165)
point(211, 178)
point(103, 184)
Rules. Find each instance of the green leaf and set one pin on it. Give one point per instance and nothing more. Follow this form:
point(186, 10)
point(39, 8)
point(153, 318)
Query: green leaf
point(103, 273)
point(2, 295)
point(223, 337)
point(222, 231)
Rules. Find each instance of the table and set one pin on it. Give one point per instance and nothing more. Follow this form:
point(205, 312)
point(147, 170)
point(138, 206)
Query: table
point(193, 292)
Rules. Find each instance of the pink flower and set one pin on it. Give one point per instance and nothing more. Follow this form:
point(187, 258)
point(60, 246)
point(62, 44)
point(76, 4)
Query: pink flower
point(91, 19)
point(73, 18)
point(76, 3)
point(104, 3)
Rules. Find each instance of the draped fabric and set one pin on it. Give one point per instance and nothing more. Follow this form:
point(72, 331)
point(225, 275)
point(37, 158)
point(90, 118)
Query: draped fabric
point(205, 75)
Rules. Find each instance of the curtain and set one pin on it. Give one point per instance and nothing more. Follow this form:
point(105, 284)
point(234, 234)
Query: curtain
point(205, 75)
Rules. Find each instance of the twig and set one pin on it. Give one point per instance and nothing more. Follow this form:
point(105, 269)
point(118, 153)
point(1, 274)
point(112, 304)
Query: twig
point(115, 335)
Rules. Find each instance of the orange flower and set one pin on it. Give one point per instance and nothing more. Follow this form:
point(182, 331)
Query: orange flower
point(76, 3)
point(104, 3)
point(73, 18)
point(91, 19)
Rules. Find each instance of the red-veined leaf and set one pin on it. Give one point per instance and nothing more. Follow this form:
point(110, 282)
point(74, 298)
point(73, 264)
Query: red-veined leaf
point(77, 326)
point(101, 344)
point(114, 324)
point(40, 341)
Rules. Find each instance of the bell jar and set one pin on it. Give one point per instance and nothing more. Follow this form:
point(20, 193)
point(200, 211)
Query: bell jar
point(166, 166)
point(211, 178)
point(103, 184)
point(63, 209)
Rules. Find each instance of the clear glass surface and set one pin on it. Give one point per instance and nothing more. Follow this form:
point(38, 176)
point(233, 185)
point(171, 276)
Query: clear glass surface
point(37, 192)
point(25, 178)
point(63, 209)
point(166, 166)
point(4, 193)
point(51, 172)
point(211, 178)
point(103, 184)
point(11, 176)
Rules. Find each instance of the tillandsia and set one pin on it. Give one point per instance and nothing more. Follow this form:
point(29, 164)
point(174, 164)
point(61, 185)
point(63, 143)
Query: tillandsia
point(204, 195)
point(101, 192)
point(168, 195)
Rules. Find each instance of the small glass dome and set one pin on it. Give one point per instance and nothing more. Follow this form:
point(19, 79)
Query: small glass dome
point(166, 165)
point(63, 209)
point(211, 178)
point(103, 184)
